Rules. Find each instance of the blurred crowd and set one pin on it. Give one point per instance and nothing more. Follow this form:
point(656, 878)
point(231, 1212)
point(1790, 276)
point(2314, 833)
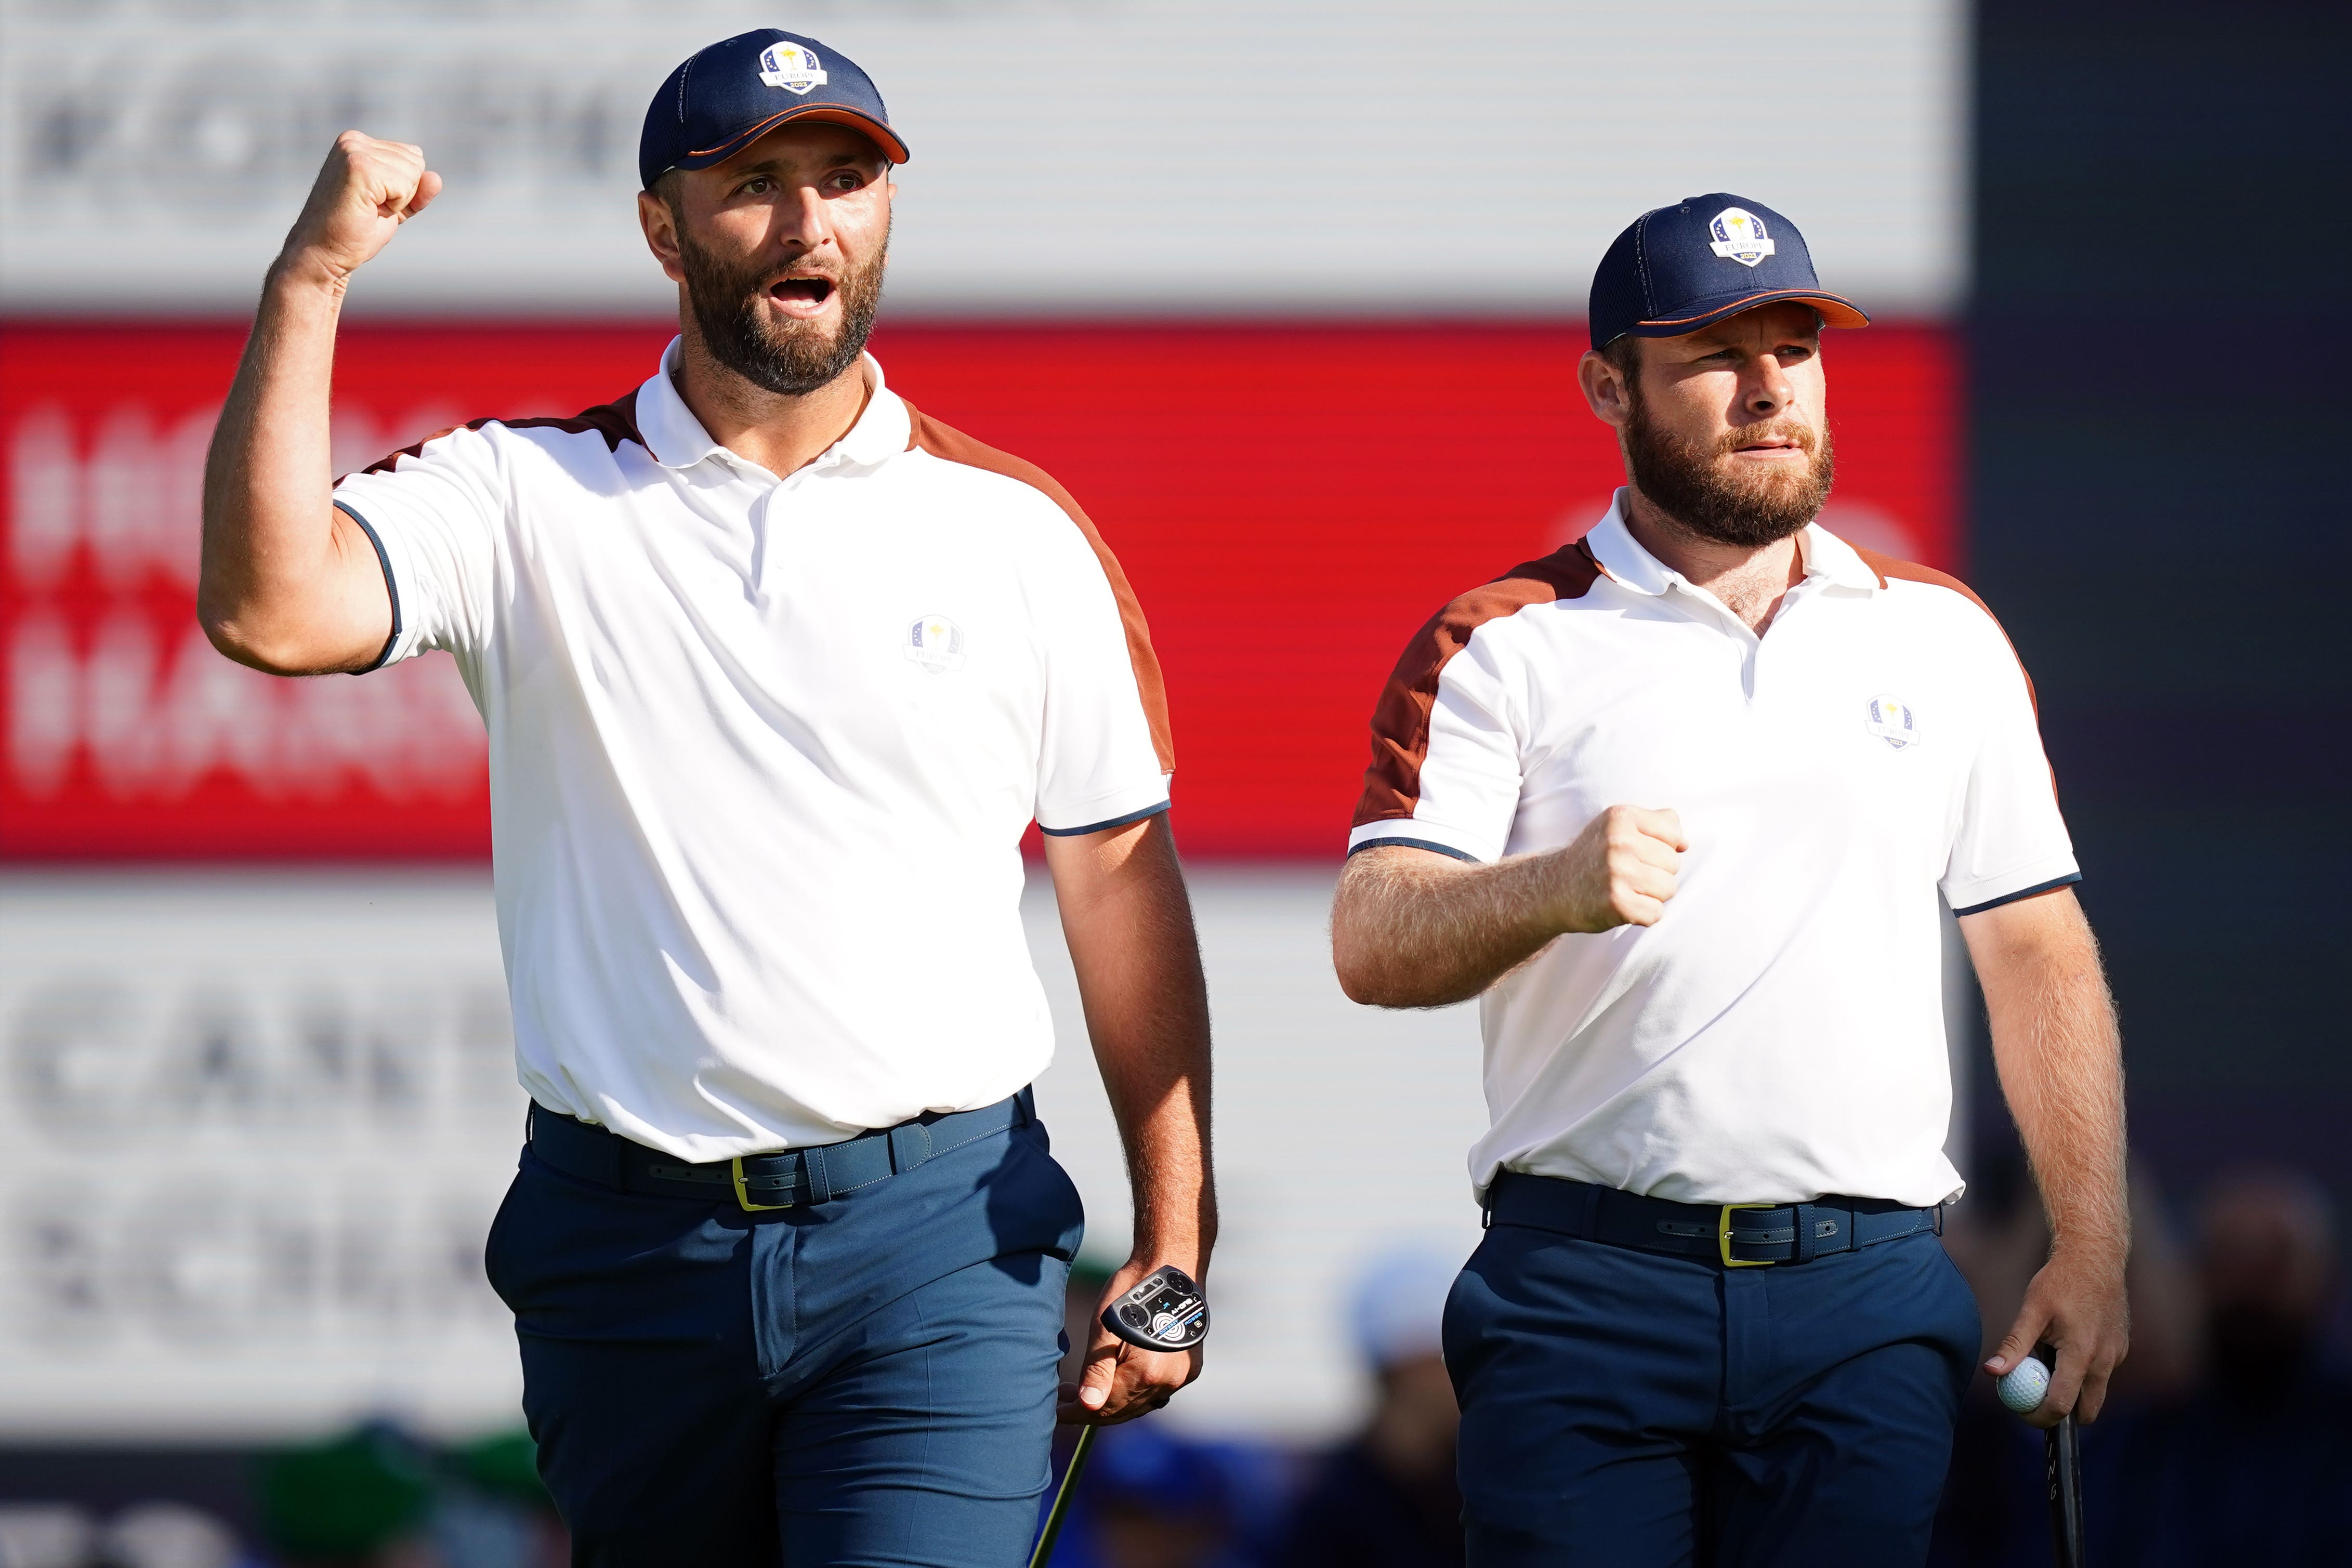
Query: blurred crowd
point(372, 1498)
point(2228, 1437)
point(2227, 1440)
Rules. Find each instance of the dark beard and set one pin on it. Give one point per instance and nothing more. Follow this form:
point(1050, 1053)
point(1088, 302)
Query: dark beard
point(1690, 486)
point(795, 358)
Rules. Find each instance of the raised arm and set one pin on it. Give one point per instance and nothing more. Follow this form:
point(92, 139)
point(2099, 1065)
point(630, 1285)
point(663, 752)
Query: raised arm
point(1411, 928)
point(2060, 1058)
point(1129, 928)
point(290, 584)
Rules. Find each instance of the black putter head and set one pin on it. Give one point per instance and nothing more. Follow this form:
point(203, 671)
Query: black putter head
point(1166, 1311)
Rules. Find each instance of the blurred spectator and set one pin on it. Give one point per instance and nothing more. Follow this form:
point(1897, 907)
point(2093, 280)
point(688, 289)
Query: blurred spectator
point(1155, 1502)
point(2235, 1448)
point(2256, 1465)
point(493, 1511)
point(363, 1500)
point(1387, 1499)
point(2267, 1257)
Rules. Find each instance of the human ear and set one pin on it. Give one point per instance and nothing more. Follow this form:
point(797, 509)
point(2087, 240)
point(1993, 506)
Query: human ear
point(660, 226)
point(1604, 390)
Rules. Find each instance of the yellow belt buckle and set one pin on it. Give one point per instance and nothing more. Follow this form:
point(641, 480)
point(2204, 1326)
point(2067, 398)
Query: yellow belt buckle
point(1722, 1234)
point(744, 1199)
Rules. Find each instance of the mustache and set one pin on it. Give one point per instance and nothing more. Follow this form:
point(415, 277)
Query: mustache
point(1799, 436)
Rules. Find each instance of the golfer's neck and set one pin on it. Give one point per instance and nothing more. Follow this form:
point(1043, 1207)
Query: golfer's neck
point(1748, 581)
point(783, 432)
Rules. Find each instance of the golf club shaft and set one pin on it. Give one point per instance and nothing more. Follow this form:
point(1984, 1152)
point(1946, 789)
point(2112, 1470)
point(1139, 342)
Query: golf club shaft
point(2062, 1462)
point(1043, 1552)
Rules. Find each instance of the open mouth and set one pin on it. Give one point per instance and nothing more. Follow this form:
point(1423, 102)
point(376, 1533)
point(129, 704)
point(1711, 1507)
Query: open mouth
point(801, 296)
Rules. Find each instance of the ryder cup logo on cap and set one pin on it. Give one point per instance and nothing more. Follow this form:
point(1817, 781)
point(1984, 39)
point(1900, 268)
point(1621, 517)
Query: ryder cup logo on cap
point(1740, 235)
point(736, 91)
point(1667, 273)
point(792, 68)
point(1888, 718)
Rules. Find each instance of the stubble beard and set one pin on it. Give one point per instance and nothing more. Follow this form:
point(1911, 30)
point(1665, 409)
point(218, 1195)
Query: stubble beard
point(1716, 501)
point(792, 358)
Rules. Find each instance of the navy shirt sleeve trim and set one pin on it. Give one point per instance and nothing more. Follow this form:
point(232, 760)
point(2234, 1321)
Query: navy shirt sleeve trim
point(1414, 844)
point(1099, 827)
point(2021, 893)
point(390, 587)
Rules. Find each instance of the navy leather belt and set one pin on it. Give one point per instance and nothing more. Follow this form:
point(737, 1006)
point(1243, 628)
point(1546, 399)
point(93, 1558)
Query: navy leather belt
point(818, 1174)
point(1736, 1235)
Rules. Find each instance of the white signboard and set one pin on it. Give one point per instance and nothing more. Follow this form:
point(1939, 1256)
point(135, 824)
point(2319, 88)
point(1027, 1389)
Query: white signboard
point(1219, 156)
point(252, 1132)
point(253, 1128)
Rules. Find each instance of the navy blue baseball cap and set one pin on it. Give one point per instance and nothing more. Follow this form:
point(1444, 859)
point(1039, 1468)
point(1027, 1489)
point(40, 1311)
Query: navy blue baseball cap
point(728, 95)
point(1677, 268)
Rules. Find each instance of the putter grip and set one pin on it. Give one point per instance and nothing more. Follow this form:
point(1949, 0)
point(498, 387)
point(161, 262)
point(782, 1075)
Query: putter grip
point(2061, 1464)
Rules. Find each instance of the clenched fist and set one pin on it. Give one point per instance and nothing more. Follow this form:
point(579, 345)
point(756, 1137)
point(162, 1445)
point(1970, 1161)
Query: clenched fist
point(365, 189)
point(1620, 871)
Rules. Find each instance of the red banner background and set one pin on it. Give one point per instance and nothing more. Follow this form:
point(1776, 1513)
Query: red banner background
point(1291, 502)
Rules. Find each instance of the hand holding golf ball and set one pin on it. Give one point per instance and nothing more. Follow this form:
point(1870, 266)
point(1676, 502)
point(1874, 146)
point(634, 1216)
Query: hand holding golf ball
point(2023, 1386)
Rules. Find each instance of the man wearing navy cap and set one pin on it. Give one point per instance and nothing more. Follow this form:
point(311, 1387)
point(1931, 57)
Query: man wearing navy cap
point(777, 671)
point(1677, 803)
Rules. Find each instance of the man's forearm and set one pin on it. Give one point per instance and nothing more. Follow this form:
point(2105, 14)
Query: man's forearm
point(1129, 928)
point(2059, 1055)
point(1414, 929)
point(1411, 928)
point(288, 583)
point(2061, 1062)
point(265, 495)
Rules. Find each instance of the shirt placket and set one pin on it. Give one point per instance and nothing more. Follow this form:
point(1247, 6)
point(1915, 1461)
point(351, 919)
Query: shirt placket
point(1704, 606)
point(772, 516)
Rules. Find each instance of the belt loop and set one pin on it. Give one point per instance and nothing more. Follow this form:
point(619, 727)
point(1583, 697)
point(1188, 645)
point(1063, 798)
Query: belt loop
point(820, 1189)
point(1493, 1195)
point(1939, 1218)
point(1805, 1247)
point(529, 1119)
point(1024, 1102)
point(910, 1145)
point(1588, 1198)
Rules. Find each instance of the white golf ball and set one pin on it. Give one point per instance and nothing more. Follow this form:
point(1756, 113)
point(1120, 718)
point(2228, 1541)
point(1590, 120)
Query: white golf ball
point(2022, 1385)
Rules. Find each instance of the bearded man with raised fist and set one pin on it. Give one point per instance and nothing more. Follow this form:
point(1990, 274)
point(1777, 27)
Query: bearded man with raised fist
point(777, 671)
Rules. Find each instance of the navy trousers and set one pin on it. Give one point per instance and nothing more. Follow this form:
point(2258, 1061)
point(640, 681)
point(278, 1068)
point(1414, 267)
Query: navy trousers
point(1631, 1410)
point(868, 1381)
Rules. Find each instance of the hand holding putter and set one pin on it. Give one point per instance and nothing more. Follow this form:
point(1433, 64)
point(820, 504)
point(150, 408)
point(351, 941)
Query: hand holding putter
point(2022, 1389)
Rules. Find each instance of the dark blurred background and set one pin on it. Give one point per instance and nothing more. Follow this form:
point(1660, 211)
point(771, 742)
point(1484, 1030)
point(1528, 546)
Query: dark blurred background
point(2156, 511)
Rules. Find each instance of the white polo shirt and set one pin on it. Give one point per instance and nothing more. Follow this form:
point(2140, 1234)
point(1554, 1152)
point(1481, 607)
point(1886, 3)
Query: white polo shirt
point(1779, 1035)
point(761, 752)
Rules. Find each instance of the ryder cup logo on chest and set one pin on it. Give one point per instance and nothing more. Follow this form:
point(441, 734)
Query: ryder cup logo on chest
point(1739, 236)
point(935, 642)
point(790, 67)
point(1889, 719)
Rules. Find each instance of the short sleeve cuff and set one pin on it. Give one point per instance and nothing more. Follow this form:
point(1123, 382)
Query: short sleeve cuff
point(1975, 896)
point(391, 583)
point(1114, 809)
point(1417, 833)
point(379, 513)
